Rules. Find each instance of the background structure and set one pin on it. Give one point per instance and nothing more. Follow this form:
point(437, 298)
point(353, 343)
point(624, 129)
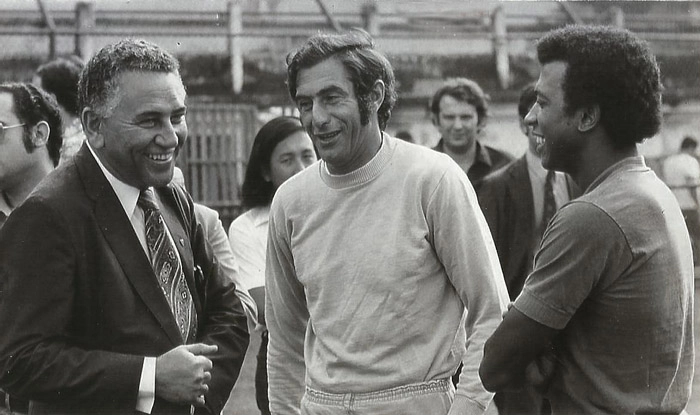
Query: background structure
point(233, 65)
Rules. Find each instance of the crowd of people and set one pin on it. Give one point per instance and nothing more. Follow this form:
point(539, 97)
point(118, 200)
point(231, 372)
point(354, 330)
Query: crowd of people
point(383, 277)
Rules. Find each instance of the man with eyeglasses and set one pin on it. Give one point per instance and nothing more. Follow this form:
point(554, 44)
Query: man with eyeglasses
point(30, 142)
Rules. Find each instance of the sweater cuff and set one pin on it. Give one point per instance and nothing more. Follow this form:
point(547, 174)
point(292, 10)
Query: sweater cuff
point(465, 406)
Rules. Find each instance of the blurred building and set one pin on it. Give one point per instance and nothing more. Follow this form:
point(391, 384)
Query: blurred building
point(233, 59)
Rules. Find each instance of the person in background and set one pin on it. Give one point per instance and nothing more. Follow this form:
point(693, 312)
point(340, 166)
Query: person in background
point(30, 144)
point(459, 110)
point(682, 174)
point(112, 301)
point(59, 78)
point(381, 273)
point(518, 201)
point(604, 323)
point(280, 150)
point(215, 234)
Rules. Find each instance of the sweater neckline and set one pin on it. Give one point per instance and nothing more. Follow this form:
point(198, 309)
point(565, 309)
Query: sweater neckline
point(365, 173)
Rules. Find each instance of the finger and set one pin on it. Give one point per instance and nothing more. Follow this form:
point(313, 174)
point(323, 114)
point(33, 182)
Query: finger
point(204, 363)
point(201, 348)
point(206, 377)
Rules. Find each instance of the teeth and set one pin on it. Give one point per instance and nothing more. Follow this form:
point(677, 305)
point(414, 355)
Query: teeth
point(159, 157)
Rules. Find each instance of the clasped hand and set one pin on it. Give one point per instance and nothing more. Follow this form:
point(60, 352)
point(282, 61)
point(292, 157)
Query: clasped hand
point(183, 374)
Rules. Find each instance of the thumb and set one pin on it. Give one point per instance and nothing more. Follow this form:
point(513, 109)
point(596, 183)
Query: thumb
point(201, 348)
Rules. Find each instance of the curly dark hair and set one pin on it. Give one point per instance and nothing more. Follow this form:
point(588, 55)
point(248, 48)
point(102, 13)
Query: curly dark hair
point(465, 90)
point(99, 79)
point(256, 191)
point(365, 65)
point(612, 68)
point(60, 77)
point(33, 105)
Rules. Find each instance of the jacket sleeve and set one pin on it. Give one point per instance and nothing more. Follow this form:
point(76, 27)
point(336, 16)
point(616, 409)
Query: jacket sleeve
point(40, 358)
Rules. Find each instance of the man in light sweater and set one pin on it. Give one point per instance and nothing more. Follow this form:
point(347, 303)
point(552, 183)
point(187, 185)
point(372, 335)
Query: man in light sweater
point(375, 255)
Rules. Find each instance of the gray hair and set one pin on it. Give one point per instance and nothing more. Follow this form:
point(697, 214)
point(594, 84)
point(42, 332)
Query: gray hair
point(98, 84)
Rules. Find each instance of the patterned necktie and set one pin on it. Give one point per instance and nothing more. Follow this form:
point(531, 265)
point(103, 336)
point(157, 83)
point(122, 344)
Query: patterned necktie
point(167, 267)
point(550, 205)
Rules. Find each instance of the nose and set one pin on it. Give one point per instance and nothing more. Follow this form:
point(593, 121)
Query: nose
point(298, 165)
point(531, 116)
point(170, 135)
point(319, 115)
point(457, 124)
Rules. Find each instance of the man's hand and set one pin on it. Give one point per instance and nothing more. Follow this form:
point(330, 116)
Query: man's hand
point(540, 372)
point(182, 374)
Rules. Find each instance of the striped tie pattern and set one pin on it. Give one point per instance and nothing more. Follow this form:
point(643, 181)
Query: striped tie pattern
point(167, 267)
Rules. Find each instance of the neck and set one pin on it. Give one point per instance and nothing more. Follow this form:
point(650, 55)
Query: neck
point(464, 158)
point(598, 159)
point(17, 192)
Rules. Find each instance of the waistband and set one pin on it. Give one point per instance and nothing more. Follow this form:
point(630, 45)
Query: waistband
point(384, 395)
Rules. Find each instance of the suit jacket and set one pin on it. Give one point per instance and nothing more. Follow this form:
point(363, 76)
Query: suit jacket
point(80, 306)
point(505, 197)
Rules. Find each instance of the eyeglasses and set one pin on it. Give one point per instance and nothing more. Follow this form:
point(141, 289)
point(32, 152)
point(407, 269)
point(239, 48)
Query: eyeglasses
point(7, 127)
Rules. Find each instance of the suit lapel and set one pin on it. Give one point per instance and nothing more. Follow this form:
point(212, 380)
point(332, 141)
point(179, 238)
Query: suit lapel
point(520, 188)
point(122, 239)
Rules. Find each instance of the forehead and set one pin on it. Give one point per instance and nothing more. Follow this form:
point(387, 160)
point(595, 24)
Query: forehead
point(297, 141)
point(141, 90)
point(7, 106)
point(452, 105)
point(327, 74)
point(551, 78)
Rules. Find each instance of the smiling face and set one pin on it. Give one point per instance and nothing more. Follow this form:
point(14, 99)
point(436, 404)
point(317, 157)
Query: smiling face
point(138, 142)
point(555, 131)
point(330, 113)
point(458, 124)
point(290, 156)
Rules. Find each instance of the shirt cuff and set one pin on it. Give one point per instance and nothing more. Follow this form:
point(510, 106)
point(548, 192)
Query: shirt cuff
point(147, 386)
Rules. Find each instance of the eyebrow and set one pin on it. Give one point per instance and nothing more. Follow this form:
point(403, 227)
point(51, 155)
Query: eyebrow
point(325, 91)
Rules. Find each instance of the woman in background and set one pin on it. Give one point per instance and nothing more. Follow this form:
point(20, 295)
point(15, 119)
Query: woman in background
point(280, 150)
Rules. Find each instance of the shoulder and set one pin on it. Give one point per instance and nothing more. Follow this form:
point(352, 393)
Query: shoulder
point(498, 157)
point(504, 174)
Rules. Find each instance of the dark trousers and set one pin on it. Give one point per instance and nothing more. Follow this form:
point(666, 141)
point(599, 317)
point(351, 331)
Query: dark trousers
point(261, 378)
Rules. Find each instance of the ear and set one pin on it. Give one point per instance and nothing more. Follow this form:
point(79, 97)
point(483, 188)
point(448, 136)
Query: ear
point(40, 134)
point(588, 118)
point(376, 94)
point(92, 124)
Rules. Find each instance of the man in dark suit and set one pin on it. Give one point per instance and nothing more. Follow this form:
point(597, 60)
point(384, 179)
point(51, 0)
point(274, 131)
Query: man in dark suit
point(103, 309)
point(514, 200)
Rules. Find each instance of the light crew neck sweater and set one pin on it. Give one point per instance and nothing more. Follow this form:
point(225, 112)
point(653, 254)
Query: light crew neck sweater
point(368, 275)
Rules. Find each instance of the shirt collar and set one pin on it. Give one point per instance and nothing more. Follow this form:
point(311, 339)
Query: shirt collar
point(534, 166)
point(260, 215)
point(128, 195)
point(482, 155)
